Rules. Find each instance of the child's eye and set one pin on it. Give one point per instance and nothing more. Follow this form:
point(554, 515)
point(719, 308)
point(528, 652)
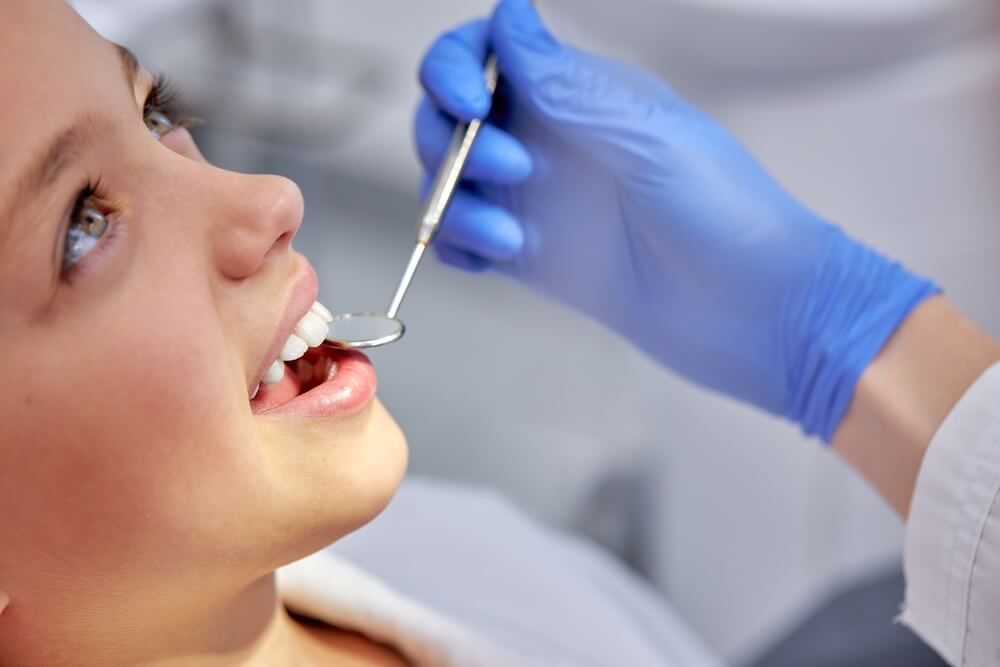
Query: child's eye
point(158, 124)
point(164, 109)
point(87, 226)
point(162, 112)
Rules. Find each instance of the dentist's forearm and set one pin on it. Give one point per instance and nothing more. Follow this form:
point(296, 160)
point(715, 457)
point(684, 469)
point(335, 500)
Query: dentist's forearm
point(905, 394)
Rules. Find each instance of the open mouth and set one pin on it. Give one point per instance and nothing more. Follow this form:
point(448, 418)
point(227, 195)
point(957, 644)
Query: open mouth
point(323, 382)
point(303, 377)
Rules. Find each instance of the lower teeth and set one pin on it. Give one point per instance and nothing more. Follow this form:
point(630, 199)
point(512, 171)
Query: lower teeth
point(313, 372)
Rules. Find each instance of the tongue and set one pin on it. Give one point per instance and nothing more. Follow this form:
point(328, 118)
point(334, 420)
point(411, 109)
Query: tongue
point(272, 395)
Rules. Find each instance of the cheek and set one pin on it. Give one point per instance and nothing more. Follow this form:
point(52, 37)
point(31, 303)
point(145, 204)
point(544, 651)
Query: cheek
point(124, 438)
point(166, 374)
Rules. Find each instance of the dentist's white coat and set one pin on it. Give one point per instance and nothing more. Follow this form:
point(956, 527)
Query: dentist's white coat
point(952, 554)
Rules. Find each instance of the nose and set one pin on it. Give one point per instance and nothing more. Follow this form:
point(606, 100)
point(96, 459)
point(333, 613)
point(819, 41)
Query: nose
point(257, 216)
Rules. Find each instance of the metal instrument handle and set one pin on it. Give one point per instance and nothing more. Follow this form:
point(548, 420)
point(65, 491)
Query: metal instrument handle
point(450, 173)
point(446, 181)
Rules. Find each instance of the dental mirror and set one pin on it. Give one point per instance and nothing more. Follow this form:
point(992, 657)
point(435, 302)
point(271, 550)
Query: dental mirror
point(358, 331)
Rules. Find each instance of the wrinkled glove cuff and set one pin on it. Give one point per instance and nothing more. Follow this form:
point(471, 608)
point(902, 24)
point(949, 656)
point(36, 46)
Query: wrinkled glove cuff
point(855, 303)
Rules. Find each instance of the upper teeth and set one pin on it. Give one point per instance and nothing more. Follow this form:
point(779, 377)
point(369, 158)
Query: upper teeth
point(311, 331)
point(322, 311)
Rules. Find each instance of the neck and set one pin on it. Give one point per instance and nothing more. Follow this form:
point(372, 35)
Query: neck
point(245, 628)
point(251, 629)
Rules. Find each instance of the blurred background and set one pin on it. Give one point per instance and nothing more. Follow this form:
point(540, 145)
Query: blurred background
point(881, 114)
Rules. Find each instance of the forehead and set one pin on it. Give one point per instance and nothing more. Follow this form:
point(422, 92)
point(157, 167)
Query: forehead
point(43, 44)
point(53, 68)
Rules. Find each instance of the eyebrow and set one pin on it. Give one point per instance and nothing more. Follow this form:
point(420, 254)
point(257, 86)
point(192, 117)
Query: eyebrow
point(62, 150)
point(130, 65)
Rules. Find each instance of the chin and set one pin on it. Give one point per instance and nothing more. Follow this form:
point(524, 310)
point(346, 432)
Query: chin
point(346, 481)
point(386, 458)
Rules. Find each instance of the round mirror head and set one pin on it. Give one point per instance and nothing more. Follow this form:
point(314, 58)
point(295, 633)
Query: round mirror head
point(359, 331)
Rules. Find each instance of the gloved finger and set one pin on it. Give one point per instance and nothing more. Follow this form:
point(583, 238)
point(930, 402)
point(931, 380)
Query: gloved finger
point(460, 259)
point(452, 71)
point(497, 157)
point(479, 227)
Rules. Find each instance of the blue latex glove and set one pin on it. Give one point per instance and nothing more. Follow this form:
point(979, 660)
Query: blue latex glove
point(596, 185)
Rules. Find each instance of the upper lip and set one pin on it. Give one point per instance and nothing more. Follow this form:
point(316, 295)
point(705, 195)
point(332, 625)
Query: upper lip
point(301, 294)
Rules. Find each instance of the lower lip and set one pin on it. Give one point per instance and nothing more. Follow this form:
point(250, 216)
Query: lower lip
point(347, 393)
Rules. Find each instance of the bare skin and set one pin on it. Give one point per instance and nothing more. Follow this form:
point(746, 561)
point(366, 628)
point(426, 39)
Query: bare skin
point(906, 393)
point(145, 506)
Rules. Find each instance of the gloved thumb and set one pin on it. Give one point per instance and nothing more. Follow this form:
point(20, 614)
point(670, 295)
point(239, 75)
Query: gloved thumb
point(624, 113)
point(525, 48)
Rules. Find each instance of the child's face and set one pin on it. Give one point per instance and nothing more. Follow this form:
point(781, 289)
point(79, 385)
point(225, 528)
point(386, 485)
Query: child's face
point(130, 457)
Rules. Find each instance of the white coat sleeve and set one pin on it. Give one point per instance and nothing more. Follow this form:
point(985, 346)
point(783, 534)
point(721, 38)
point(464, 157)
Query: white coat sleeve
point(952, 551)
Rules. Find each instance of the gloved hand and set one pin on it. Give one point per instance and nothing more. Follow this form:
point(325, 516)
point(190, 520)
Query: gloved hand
point(598, 186)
